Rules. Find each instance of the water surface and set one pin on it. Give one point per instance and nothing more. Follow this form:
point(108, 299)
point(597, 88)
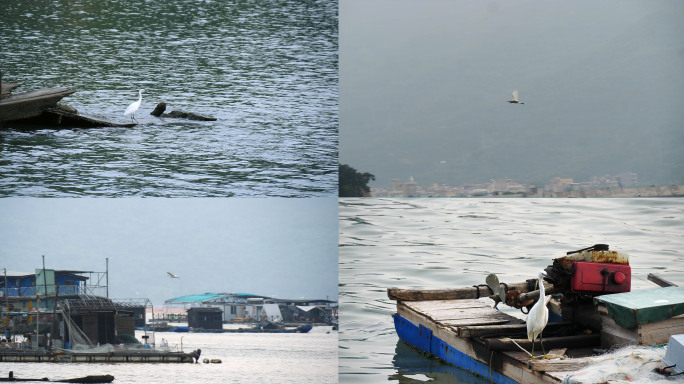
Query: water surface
point(288, 358)
point(266, 70)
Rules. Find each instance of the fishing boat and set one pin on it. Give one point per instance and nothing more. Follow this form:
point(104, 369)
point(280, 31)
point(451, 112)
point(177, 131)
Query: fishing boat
point(592, 315)
point(84, 379)
point(261, 328)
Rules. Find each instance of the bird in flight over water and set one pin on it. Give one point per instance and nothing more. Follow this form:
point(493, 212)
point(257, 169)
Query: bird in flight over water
point(171, 275)
point(515, 100)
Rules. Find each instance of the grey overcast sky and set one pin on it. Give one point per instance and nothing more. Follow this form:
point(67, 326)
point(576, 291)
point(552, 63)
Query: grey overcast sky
point(424, 86)
point(279, 247)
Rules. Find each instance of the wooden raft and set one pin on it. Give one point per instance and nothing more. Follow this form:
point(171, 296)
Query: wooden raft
point(478, 330)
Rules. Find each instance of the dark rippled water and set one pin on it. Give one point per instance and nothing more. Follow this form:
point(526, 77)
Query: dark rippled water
point(267, 70)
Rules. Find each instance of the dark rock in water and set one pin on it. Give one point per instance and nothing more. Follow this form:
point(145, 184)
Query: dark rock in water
point(190, 115)
point(161, 107)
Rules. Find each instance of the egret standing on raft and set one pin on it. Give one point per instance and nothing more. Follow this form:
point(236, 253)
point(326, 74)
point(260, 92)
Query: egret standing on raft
point(538, 316)
point(134, 107)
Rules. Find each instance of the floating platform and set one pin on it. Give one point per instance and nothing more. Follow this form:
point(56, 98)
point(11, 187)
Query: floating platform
point(30, 104)
point(302, 329)
point(62, 356)
point(39, 108)
point(458, 328)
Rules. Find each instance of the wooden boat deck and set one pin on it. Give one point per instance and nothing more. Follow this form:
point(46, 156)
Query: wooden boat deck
point(472, 334)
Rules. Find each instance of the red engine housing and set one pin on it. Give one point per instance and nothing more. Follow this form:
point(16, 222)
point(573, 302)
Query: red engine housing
point(600, 277)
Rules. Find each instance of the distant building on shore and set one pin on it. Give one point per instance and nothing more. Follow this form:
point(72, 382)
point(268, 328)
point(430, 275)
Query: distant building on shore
point(246, 307)
point(624, 184)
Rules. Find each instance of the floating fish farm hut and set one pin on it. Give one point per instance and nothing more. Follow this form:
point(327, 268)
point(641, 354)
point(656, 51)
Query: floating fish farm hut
point(55, 315)
point(245, 307)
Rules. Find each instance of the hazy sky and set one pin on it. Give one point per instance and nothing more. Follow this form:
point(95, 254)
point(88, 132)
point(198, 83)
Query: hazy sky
point(279, 247)
point(424, 86)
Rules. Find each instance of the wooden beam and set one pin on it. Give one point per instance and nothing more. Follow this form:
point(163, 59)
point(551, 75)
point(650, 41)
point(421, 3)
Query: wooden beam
point(506, 329)
point(558, 365)
point(660, 281)
point(447, 294)
point(507, 344)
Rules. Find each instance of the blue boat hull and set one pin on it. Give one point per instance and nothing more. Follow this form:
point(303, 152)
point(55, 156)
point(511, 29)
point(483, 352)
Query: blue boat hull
point(422, 338)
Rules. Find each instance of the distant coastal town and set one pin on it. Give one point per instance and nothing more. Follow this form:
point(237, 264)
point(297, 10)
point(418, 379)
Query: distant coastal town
point(622, 185)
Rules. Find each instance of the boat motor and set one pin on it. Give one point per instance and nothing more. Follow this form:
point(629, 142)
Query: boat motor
point(582, 275)
point(591, 271)
point(575, 279)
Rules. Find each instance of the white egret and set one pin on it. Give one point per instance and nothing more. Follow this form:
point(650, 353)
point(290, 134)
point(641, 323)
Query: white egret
point(134, 106)
point(538, 316)
point(515, 100)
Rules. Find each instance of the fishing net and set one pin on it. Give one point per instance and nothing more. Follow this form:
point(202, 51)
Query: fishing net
point(77, 338)
point(626, 365)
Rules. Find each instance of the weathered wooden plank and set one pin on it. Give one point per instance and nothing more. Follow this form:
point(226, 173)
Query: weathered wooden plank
point(447, 304)
point(660, 281)
point(558, 365)
point(474, 321)
point(459, 312)
point(447, 294)
point(30, 104)
point(659, 333)
point(505, 329)
point(507, 344)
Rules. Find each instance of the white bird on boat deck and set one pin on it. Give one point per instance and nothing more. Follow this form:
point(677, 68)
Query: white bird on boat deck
point(538, 316)
point(134, 106)
point(171, 275)
point(515, 100)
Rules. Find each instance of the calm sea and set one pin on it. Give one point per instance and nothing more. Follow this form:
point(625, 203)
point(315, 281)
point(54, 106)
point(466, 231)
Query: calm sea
point(288, 358)
point(267, 70)
point(449, 243)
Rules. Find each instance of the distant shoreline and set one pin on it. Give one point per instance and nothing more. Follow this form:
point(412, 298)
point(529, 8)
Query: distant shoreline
point(653, 191)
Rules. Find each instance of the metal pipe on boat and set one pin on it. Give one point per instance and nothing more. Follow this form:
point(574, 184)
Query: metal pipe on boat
point(534, 295)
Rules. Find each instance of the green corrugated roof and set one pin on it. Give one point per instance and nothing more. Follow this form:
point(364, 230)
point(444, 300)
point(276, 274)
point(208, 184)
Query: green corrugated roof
point(630, 309)
point(197, 297)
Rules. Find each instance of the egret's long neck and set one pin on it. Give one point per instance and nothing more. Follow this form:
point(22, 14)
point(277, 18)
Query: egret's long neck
point(541, 289)
point(139, 95)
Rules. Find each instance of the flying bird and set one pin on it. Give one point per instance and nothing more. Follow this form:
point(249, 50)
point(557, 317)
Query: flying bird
point(538, 316)
point(171, 275)
point(134, 106)
point(515, 100)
